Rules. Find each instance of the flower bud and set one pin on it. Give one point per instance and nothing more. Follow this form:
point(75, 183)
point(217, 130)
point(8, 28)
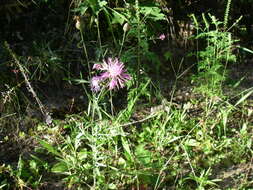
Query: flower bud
point(126, 27)
point(79, 23)
point(162, 37)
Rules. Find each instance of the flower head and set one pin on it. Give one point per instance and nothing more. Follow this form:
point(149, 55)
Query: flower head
point(95, 83)
point(114, 73)
point(162, 37)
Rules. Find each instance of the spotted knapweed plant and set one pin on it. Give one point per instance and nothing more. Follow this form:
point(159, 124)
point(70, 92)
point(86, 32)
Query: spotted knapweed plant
point(114, 75)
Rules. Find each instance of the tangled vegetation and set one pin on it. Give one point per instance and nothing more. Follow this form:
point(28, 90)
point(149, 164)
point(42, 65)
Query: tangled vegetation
point(126, 94)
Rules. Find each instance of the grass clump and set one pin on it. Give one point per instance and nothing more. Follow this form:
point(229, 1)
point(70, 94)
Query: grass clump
point(128, 134)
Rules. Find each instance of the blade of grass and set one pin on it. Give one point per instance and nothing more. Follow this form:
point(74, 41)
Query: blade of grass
point(244, 98)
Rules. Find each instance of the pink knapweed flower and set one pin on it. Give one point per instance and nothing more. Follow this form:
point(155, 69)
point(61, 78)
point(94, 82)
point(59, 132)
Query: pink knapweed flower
point(162, 37)
point(115, 74)
point(95, 83)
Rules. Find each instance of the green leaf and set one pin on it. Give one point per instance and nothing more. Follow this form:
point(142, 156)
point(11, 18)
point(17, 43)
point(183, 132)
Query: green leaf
point(191, 142)
point(96, 5)
point(167, 55)
point(20, 169)
point(127, 149)
point(49, 147)
point(152, 12)
point(102, 3)
point(81, 81)
point(82, 154)
point(33, 165)
point(246, 49)
point(1, 186)
point(244, 97)
point(82, 9)
point(112, 186)
point(118, 18)
point(144, 156)
point(60, 167)
point(40, 162)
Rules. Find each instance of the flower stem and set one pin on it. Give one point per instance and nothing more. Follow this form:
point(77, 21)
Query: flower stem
point(139, 41)
point(85, 52)
point(112, 112)
point(99, 37)
point(123, 41)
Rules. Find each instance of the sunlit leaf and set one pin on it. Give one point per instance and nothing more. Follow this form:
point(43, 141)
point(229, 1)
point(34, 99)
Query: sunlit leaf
point(49, 147)
point(60, 167)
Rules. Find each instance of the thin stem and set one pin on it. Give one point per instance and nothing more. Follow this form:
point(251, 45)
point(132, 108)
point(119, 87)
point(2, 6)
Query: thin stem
point(99, 37)
point(85, 52)
point(95, 103)
point(139, 41)
point(94, 151)
point(29, 87)
point(123, 41)
point(110, 25)
point(112, 112)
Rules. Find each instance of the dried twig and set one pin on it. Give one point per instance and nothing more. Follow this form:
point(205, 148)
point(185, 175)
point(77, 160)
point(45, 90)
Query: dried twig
point(29, 87)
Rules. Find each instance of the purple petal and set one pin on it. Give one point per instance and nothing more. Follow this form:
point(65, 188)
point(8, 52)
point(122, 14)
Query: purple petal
point(96, 66)
point(112, 84)
point(115, 75)
point(109, 61)
point(121, 82)
point(126, 76)
point(105, 75)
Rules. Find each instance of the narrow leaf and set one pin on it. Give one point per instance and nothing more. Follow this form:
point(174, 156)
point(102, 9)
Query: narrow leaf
point(244, 97)
point(49, 147)
point(60, 167)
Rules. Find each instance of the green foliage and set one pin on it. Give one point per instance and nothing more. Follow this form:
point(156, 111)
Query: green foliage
point(203, 180)
point(27, 174)
point(213, 60)
point(134, 96)
point(140, 17)
point(177, 144)
point(46, 65)
point(104, 154)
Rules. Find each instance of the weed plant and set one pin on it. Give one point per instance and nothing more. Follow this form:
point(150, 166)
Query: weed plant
point(183, 145)
point(212, 62)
